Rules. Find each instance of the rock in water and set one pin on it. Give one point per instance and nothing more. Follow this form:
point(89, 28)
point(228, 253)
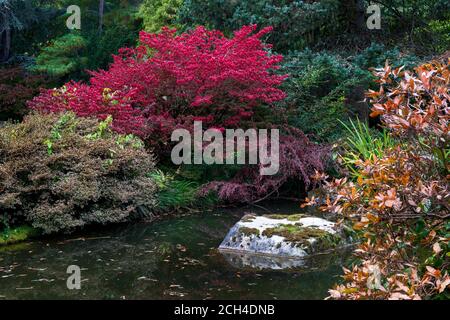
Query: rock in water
point(282, 235)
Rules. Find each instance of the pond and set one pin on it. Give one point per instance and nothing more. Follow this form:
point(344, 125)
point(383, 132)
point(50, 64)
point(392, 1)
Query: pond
point(175, 258)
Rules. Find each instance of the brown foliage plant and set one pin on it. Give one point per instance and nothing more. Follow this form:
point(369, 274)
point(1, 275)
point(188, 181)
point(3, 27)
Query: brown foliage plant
point(399, 202)
point(59, 172)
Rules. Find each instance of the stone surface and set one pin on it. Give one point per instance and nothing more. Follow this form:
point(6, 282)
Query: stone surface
point(282, 236)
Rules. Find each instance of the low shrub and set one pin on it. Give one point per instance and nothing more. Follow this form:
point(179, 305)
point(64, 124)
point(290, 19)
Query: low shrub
point(59, 172)
point(156, 14)
point(434, 36)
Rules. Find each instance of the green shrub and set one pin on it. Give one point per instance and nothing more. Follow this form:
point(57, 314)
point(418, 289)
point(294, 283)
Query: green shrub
point(59, 172)
point(68, 55)
point(17, 87)
point(156, 14)
point(317, 88)
point(376, 54)
point(101, 47)
point(63, 56)
point(435, 36)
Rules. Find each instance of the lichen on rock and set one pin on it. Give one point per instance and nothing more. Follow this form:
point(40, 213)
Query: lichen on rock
point(283, 235)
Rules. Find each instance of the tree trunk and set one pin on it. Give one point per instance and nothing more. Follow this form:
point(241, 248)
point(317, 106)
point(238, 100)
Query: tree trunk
point(360, 18)
point(5, 47)
point(101, 9)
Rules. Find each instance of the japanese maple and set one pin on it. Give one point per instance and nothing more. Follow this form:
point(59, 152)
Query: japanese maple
point(169, 80)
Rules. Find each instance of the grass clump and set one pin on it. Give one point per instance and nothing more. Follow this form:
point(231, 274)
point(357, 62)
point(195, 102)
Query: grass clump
point(15, 235)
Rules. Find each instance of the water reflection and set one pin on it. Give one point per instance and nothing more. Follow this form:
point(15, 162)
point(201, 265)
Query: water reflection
point(174, 258)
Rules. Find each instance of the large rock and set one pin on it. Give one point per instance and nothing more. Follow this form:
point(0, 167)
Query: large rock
point(281, 236)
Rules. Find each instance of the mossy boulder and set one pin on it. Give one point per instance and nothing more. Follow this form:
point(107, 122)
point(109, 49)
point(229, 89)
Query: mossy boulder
point(295, 235)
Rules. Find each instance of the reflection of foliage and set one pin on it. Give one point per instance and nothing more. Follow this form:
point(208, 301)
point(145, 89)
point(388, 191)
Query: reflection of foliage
point(317, 86)
point(400, 200)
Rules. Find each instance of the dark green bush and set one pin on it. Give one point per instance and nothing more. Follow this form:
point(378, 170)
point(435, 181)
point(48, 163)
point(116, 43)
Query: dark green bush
point(68, 55)
point(376, 55)
point(434, 36)
point(318, 87)
point(64, 56)
point(296, 24)
point(323, 87)
point(59, 172)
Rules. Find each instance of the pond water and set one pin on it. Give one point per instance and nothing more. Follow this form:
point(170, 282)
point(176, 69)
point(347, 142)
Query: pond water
point(174, 258)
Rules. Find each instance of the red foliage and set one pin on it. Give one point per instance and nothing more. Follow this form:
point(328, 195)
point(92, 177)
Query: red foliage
point(299, 160)
point(170, 80)
point(17, 87)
